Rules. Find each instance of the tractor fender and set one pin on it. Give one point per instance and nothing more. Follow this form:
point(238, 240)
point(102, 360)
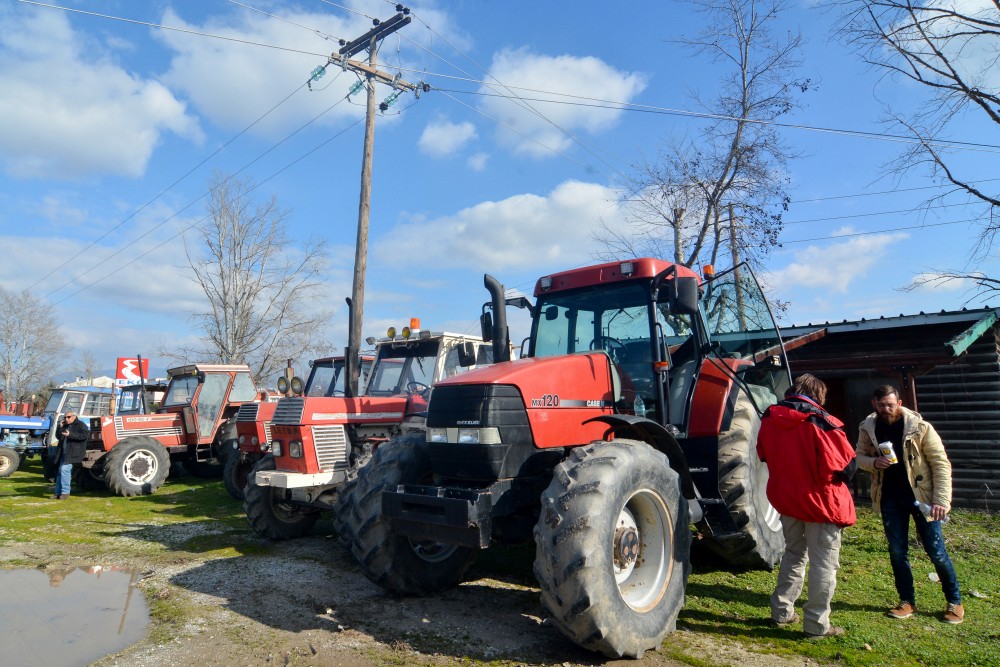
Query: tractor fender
point(653, 433)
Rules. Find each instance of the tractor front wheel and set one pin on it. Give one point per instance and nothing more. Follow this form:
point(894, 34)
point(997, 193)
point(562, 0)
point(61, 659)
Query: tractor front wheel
point(90, 479)
point(237, 471)
point(136, 466)
point(271, 516)
point(9, 461)
point(400, 564)
point(611, 547)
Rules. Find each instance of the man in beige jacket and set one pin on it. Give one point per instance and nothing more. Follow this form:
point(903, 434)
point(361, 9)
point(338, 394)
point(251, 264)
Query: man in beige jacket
point(916, 469)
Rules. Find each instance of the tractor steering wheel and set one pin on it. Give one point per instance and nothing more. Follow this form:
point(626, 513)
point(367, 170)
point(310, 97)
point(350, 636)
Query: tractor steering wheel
point(418, 388)
point(614, 347)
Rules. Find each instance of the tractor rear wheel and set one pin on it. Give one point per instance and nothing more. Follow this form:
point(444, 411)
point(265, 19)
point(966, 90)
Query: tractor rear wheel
point(9, 461)
point(743, 487)
point(399, 564)
point(236, 472)
point(611, 547)
point(268, 514)
point(136, 466)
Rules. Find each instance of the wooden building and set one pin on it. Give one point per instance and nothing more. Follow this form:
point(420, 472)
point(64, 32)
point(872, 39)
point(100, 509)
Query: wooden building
point(946, 366)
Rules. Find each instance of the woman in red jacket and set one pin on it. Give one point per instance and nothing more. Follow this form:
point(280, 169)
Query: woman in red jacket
point(809, 462)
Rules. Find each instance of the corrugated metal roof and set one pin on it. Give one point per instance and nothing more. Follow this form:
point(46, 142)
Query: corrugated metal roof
point(883, 322)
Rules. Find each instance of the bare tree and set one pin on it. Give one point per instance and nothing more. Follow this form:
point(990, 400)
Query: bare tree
point(88, 364)
point(262, 291)
point(31, 345)
point(951, 50)
point(719, 197)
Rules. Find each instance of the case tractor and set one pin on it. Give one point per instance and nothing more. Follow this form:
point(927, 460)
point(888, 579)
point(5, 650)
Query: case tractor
point(253, 420)
point(318, 443)
point(627, 427)
point(131, 454)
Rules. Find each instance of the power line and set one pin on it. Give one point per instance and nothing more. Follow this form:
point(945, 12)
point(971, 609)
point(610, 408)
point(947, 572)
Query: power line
point(879, 231)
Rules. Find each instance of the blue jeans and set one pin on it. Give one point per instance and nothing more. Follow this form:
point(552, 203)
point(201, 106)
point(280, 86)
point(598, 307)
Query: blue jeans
point(64, 475)
point(896, 521)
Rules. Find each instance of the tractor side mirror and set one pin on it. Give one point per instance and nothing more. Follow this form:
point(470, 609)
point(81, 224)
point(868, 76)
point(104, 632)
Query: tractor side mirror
point(684, 296)
point(486, 326)
point(466, 354)
point(551, 313)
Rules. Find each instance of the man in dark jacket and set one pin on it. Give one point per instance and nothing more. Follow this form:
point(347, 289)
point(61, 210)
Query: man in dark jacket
point(809, 461)
point(73, 435)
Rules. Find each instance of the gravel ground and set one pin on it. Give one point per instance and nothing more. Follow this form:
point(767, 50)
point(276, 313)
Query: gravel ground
point(309, 604)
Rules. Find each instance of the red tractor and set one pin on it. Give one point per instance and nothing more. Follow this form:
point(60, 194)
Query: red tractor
point(632, 414)
point(253, 421)
point(319, 442)
point(131, 454)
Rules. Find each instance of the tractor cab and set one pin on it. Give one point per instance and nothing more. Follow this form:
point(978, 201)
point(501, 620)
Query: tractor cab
point(206, 395)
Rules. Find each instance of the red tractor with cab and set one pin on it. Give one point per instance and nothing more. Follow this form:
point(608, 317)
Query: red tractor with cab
point(318, 443)
point(131, 453)
point(629, 422)
point(253, 420)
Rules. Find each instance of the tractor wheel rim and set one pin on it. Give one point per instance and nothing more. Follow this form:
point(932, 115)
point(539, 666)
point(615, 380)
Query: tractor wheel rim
point(642, 550)
point(140, 467)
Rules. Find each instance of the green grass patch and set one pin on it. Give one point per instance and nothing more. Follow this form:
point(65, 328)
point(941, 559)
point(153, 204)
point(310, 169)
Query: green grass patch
point(193, 518)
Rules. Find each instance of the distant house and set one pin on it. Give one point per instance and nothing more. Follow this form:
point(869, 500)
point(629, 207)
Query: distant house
point(947, 367)
point(101, 381)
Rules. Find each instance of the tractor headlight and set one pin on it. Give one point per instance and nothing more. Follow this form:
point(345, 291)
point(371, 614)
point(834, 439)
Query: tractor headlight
point(254, 441)
point(295, 449)
point(243, 439)
point(479, 436)
point(276, 447)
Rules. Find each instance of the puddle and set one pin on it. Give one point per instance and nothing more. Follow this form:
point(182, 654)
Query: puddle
point(69, 617)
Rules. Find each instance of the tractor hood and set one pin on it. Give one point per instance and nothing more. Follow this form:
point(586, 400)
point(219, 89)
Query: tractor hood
point(558, 393)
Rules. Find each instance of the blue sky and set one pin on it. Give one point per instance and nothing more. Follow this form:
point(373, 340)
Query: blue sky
point(113, 128)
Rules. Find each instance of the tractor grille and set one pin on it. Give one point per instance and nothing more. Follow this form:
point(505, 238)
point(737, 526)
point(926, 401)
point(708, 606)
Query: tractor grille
point(247, 412)
point(267, 431)
point(331, 446)
point(152, 431)
point(289, 411)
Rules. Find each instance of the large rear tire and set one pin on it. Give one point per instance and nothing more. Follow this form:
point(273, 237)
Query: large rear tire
point(136, 466)
point(9, 461)
point(743, 487)
point(399, 564)
point(612, 546)
point(268, 514)
point(237, 471)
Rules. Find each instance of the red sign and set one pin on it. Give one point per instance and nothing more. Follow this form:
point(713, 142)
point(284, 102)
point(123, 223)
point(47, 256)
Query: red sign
point(128, 370)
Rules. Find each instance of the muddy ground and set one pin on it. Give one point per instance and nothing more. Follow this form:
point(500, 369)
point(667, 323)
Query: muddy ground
point(307, 603)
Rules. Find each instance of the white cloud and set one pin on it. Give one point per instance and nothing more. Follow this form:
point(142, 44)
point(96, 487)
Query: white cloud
point(837, 266)
point(537, 136)
point(520, 231)
point(937, 282)
point(477, 162)
point(69, 110)
point(443, 138)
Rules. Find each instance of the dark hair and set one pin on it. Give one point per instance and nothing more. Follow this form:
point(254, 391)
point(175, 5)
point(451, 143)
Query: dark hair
point(884, 390)
point(809, 385)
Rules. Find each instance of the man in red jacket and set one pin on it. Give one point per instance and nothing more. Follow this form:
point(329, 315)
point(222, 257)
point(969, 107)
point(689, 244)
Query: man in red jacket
point(810, 461)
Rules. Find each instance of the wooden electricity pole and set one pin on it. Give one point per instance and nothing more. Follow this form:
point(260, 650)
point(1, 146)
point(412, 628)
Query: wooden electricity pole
point(371, 73)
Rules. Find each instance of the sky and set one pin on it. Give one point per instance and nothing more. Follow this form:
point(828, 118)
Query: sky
point(116, 114)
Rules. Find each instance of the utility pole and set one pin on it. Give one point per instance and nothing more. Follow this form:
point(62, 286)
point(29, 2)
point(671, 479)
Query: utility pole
point(734, 248)
point(371, 74)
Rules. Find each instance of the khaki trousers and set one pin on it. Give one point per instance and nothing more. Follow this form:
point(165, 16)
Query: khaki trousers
point(817, 544)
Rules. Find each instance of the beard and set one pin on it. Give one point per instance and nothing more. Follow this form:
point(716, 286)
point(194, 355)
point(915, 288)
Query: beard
point(890, 418)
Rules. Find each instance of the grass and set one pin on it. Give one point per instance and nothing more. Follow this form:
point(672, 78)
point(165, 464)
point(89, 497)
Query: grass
point(193, 518)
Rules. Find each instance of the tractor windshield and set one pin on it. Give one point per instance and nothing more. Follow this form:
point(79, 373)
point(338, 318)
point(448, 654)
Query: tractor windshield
point(180, 391)
point(400, 364)
point(741, 326)
point(323, 378)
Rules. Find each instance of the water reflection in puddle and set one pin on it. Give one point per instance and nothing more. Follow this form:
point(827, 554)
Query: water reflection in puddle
point(68, 617)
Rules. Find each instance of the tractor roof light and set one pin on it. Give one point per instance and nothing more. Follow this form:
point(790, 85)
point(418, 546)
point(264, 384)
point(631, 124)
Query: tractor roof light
point(297, 385)
point(545, 282)
point(708, 271)
point(627, 269)
point(406, 333)
point(370, 340)
point(390, 332)
point(414, 325)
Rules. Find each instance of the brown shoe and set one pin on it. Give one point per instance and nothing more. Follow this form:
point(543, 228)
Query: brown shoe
point(62, 496)
point(954, 614)
point(832, 631)
point(794, 618)
point(902, 610)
